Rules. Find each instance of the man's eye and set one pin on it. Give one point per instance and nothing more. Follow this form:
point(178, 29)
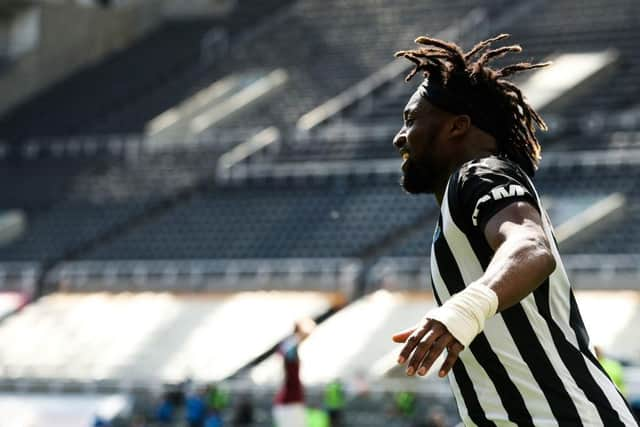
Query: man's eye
point(408, 122)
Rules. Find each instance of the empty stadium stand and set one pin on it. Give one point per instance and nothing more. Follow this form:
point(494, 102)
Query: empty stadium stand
point(621, 236)
point(567, 191)
point(274, 221)
point(140, 79)
point(321, 218)
point(74, 192)
point(38, 183)
point(350, 50)
point(123, 93)
point(51, 233)
point(365, 128)
point(296, 220)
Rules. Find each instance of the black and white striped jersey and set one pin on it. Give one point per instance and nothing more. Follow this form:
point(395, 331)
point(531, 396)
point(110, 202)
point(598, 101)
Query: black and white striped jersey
point(532, 365)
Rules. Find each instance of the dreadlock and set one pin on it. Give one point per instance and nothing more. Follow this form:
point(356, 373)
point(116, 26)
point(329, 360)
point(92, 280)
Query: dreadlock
point(501, 105)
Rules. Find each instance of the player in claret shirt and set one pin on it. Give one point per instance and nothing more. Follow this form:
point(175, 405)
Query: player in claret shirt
point(288, 406)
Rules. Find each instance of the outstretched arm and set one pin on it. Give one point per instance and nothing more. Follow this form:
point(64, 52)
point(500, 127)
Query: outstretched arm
point(523, 257)
point(522, 261)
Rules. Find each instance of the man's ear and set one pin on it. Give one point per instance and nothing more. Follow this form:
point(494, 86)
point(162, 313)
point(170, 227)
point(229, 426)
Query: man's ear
point(459, 125)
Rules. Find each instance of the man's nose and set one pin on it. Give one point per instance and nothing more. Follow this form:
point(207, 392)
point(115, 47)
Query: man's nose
point(400, 139)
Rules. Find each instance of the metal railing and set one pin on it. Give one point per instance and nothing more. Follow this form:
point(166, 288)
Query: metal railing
point(391, 166)
point(609, 271)
point(327, 274)
point(19, 276)
point(435, 391)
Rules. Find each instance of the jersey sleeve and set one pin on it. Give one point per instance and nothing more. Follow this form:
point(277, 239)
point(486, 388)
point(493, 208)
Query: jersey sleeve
point(487, 186)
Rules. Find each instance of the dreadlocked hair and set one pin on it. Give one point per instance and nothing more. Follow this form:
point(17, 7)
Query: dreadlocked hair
point(502, 103)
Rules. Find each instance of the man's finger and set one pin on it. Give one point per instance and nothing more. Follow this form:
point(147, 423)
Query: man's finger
point(413, 340)
point(453, 351)
point(401, 337)
point(435, 350)
point(422, 349)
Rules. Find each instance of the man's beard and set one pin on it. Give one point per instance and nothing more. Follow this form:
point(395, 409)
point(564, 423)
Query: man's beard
point(417, 178)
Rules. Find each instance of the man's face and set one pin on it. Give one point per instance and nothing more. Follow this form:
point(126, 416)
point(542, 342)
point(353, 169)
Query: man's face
point(420, 143)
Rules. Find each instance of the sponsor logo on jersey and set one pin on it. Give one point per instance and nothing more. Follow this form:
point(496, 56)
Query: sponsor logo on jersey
point(498, 193)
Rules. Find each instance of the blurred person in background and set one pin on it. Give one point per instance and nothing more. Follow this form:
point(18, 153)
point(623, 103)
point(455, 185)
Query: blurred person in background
point(437, 417)
point(507, 318)
point(334, 401)
point(317, 417)
point(613, 368)
point(288, 405)
point(635, 406)
point(214, 419)
point(98, 421)
point(217, 397)
point(405, 405)
point(243, 413)
point(358, 384)
point(165, 410)
point(139, 421)
point(196, 408)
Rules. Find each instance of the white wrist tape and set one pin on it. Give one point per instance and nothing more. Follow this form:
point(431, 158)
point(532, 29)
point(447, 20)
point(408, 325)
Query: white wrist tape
point(464, 313)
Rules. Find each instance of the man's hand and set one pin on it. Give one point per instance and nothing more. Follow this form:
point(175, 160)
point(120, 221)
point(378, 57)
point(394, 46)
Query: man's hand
point(427, 341)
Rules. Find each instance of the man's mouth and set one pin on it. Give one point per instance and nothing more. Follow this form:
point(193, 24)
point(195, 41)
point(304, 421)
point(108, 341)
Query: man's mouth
point(405, 161)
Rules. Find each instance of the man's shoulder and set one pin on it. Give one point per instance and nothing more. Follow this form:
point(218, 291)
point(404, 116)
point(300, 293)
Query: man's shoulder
point(485, 185)
point(490, 165)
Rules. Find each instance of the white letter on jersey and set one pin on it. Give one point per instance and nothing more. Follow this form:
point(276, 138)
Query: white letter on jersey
point(497, 194)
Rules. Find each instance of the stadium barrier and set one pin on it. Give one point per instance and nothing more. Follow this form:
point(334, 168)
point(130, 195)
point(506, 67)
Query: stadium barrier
point(123, 145)
point(19, 276)
point(391, 167)
point(586, 271)
point(434, 389)
point(212, 275)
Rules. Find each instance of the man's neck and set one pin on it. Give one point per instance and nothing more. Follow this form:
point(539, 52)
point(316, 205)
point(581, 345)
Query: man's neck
point(441, 187)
